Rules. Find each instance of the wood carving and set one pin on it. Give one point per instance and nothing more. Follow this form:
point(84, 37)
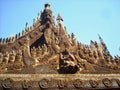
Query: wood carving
point(46, 48)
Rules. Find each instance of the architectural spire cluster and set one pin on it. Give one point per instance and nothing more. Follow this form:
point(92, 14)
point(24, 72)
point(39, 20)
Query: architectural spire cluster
point(47, 48)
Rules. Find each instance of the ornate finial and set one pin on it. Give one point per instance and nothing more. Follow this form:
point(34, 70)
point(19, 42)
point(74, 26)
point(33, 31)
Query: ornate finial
point(38, 15)
point(34, 21)
point(47, 5)
point(59, 18)
point(101, 40)
point(72, 36)
point(3, 41)
point(26, 26)
point(99, 36)
point(23, 32)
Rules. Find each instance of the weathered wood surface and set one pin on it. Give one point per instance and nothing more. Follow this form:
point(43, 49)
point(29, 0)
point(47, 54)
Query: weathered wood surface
point(59, 81)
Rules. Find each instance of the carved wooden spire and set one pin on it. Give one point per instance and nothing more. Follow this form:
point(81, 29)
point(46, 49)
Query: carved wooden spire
point(47, 5)
point(59, 18)
point(26, 26)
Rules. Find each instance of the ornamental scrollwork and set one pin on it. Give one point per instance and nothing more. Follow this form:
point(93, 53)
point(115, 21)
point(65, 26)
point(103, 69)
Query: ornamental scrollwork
point(78, 83)
point(7, 83)
point(93, 83)
point(44, 83)
point(107, 82)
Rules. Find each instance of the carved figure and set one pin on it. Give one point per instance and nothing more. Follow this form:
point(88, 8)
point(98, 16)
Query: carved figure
point(12, 56)
point(33, 52)
point(6, 57)
point(18, 57)
point(68, 64)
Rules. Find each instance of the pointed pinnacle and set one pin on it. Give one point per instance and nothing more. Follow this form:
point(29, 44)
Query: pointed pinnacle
point(59, 18)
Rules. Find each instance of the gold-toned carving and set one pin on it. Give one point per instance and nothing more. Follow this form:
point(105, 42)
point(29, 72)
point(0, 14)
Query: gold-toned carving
point(47, 44)
point(93, 83)
point(62, 84)
point(107, 82)
point(44, 83)
point(7, 83)
point(26, 84)
point(118, 82)
point(78, 83)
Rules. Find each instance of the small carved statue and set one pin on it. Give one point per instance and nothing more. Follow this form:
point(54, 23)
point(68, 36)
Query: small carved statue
point(18, 56)
point(68, 63)
point(12, 56)
point(44, 49)
point(6, 58)
point(39, 51)
point(33, 52)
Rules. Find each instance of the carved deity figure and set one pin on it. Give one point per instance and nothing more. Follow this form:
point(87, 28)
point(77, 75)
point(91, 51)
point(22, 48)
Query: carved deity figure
point(33, 52)
point(26, 45)
point(18, 56)
point(68, 63)
point(6, 57)
point(44, 49)
point(94, 51)
point(39, 51)
point(91, 56)
point(12, 56)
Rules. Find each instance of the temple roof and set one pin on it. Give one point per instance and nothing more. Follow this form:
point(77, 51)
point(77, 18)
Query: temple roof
point(43, 46)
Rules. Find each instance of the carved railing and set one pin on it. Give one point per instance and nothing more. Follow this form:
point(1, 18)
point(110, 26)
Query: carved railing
point(61, 81)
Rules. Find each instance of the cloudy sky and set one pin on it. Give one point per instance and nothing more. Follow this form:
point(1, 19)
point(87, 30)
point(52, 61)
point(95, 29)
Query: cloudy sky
point(85, 18)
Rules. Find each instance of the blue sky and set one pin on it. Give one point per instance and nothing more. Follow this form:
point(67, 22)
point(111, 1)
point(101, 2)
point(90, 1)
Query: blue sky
point(85, 18)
